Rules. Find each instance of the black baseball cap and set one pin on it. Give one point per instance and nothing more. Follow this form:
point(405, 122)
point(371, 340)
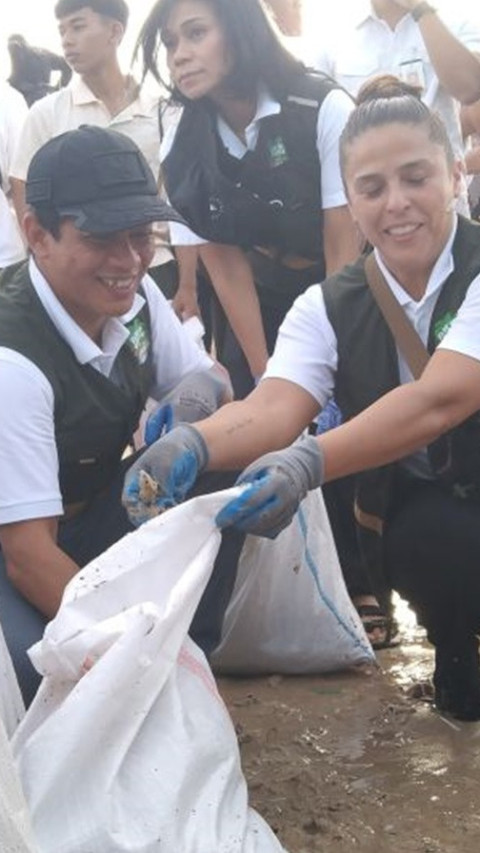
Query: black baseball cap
point(97, 177)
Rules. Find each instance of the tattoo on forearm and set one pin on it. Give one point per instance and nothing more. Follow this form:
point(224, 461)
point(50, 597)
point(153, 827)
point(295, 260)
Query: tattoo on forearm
point(239, 425)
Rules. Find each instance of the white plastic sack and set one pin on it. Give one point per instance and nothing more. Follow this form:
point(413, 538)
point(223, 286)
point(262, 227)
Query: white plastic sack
point(15, 831)
point(128, 745)
point(12, 708)
point(290, 611)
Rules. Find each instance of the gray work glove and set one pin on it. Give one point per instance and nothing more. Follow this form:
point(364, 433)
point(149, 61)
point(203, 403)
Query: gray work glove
point(161, 477)
point(197, 396)
point(279, 482)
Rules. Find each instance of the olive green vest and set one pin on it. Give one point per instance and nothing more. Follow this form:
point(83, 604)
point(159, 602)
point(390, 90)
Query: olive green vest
point(368, 369)
point(94, 418)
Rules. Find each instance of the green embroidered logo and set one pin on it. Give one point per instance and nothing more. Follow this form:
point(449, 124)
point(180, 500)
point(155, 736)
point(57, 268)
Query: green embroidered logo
point(277, 152)
point(442, 326)
point(138, 339)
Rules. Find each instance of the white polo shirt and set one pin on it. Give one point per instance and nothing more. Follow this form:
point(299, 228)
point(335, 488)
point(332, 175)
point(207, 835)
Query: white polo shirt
point(306, 348)
point(332, 117)
point(13, 110)
point(365, 46)
point(28, 453)
point(75, 105)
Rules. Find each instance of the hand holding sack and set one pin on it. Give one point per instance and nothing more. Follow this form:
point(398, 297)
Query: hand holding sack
point(278, 483)
point(163, 475)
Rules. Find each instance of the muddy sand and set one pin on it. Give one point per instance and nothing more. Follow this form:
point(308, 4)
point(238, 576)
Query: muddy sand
point(354, 762)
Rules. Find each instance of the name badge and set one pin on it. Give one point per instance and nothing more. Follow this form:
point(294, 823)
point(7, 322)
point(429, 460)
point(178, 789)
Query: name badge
point(412, 72)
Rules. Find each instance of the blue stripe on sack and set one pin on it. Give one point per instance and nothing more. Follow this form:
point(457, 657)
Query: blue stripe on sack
point(328, 603)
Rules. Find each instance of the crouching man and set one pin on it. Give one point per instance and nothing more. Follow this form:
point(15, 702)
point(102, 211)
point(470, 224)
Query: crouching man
point(85, 338)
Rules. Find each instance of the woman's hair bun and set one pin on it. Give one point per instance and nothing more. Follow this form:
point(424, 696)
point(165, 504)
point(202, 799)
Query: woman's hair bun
point(386, 86)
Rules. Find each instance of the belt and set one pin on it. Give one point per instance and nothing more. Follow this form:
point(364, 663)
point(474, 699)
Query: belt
point(72, 510)
point(292, 262)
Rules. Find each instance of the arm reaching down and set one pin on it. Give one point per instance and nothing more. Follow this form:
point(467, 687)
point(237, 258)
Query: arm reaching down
point(404, 420)
point(232, 279)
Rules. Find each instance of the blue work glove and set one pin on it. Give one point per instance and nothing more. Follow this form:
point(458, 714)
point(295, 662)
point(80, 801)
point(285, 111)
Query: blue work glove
point(279, 482)
point(161, 477)
point(197, 396)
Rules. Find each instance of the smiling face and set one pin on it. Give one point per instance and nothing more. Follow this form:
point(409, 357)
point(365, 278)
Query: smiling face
point(89, 40)
point(94, 276)
point(197, 53)
point(401, 191)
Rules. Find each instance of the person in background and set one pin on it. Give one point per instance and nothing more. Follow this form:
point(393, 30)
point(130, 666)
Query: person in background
point(413, 444)
point(439, 51)
point(288, 16)
point(13, 110)
point(33, 67)
point(252, 164)
point(470, 118)
point(85, 337)
point(100, 94)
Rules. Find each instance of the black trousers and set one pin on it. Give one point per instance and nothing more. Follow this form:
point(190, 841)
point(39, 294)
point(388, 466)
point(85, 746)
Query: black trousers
point(85, 537)
point(339, 499)
point(432, 558)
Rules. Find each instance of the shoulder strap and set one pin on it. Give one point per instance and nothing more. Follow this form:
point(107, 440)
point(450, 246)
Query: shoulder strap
point(310, 89)
point(408, 340)
point(161, 111)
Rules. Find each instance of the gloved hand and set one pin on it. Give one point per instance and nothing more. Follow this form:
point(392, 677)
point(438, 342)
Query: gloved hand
point(161, 477)
point(279, 482)
point(197, 396)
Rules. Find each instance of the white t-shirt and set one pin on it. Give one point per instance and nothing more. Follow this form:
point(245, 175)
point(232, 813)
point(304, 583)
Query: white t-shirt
point(306, 348)
point(365, 46)
point(28, 453)
point(332, 118)
point(13, 110)
point(75, 105)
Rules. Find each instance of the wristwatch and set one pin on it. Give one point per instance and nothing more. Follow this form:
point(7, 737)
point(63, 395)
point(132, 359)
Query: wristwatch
point(422, 9)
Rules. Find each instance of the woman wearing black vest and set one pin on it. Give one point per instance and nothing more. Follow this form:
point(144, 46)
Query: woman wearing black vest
point(252, 165)
point(413, 444)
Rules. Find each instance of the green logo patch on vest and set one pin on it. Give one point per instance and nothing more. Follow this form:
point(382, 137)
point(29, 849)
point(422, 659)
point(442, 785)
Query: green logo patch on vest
point(442, 326)
point(138, 340)
point(277, 153)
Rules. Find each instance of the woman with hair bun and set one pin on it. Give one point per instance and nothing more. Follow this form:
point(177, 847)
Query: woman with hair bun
point(252, 165)
point(413, 444)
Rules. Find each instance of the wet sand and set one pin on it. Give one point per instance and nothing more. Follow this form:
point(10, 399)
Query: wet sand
point(353, 761)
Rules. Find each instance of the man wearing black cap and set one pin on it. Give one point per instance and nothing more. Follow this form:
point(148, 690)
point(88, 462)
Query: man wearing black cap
point(85, 338)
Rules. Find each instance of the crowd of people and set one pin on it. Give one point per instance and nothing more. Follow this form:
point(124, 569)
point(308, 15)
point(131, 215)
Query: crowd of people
point(277, 199)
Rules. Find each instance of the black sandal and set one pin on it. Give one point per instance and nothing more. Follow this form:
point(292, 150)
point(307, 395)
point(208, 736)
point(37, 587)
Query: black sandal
point(374, 619)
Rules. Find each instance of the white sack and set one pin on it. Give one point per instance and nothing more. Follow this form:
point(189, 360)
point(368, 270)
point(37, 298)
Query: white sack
point(12, 708)
point(15, 830)
point(138, 754)
point(290, 611)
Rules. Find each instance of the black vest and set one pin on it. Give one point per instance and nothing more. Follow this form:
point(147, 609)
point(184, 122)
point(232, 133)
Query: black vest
point(269, 198)
point(368, 369)
point(94, 418)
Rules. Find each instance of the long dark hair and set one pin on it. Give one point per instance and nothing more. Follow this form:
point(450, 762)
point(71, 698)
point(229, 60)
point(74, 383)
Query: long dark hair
point(387, 100)
point(259, 55)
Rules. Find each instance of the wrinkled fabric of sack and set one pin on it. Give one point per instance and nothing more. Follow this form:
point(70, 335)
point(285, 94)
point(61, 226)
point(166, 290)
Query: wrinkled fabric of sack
point(15, 830)
point(290, 611)
point(128, 745)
